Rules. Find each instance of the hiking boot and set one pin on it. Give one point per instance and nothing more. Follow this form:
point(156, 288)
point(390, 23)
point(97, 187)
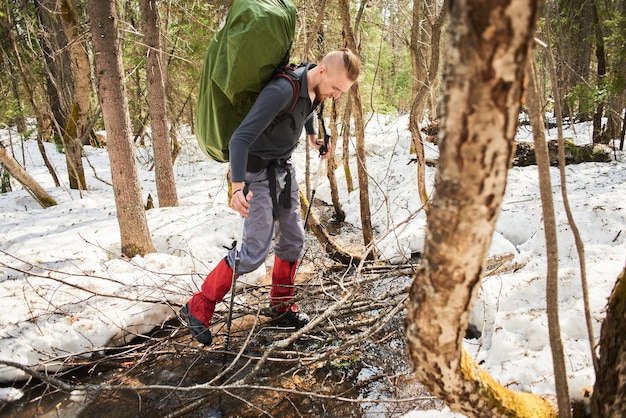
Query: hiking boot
point(297, 319)
point(196, 328)
point(292, 316)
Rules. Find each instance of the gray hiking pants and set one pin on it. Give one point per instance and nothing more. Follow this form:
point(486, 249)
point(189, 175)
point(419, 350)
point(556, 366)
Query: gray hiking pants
point(260, 227)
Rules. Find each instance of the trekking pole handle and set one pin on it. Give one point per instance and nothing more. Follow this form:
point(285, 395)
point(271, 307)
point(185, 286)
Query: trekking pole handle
point(239, 230)
point(323, 151)
point(324, 147)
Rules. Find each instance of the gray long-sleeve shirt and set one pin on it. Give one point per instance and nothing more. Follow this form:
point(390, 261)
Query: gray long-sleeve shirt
point(264, 136)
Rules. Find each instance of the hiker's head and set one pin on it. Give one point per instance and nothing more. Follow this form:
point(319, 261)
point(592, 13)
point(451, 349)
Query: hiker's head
point(337, 71)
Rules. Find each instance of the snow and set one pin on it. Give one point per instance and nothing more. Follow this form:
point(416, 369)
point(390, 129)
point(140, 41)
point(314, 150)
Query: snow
point(65, 289)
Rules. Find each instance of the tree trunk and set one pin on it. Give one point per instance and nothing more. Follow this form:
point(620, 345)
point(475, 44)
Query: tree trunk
point(574, 31)
point(485, 69)
point(617, 66)
point(163, 168)
point(331, 165)
point(580, 246)
point(416, 114)
point(345, 152)
point(58, 68)
point(424, 79)
point(359, 131)
point(77, 119)
point(8, 29)
point(535, 109)
point(601, 58)
point(134, 233)
point(320, 9)
point(609, 392)
point(19, 174)
point(19, 118)
point(623, 134)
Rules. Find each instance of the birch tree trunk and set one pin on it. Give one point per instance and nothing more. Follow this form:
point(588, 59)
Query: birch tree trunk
point(163, 166)
point(131, 216)
point(485, 68)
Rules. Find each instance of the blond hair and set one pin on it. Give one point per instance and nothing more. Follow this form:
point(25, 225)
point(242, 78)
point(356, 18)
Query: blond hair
point(343, 58)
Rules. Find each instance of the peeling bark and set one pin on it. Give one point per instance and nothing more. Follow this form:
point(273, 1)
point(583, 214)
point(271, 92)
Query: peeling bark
point(485, 69)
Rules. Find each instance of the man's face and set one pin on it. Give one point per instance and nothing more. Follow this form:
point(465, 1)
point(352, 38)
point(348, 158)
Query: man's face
point(333, 83)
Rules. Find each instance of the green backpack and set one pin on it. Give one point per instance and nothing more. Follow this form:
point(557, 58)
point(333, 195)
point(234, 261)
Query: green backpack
point(241, 58)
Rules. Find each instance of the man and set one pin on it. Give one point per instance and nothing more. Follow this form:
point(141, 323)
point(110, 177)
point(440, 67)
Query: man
point(265, 190)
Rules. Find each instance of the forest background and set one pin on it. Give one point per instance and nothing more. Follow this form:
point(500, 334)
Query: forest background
point(50, 56)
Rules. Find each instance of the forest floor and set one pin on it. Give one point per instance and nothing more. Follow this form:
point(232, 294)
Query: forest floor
point(352, 364)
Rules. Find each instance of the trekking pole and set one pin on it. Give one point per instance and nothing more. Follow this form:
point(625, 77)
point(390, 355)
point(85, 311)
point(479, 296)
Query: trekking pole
point(238, 242)
point(315, 181)
point(323, 150)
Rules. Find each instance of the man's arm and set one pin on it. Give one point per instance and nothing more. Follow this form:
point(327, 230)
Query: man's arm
point(271, 101)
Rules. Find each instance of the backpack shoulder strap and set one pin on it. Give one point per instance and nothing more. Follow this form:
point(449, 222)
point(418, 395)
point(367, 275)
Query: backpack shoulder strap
point(289, 72)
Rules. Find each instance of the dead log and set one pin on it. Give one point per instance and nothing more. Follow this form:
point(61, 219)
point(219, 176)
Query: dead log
point(574, 154)
point(331, 248)
point(19, 174)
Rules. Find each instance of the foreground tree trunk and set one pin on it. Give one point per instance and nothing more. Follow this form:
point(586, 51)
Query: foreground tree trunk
point(163, 166)
point(609, 393)
point(484, 77)
point(131, 216)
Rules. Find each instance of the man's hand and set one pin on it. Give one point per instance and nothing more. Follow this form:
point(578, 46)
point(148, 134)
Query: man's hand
point(319, 146)
point(240, 199)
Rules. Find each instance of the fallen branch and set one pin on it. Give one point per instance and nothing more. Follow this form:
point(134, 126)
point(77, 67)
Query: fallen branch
point(30, 185)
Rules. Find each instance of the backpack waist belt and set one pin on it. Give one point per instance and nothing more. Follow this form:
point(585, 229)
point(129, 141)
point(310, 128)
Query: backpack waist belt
point(256, 164)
